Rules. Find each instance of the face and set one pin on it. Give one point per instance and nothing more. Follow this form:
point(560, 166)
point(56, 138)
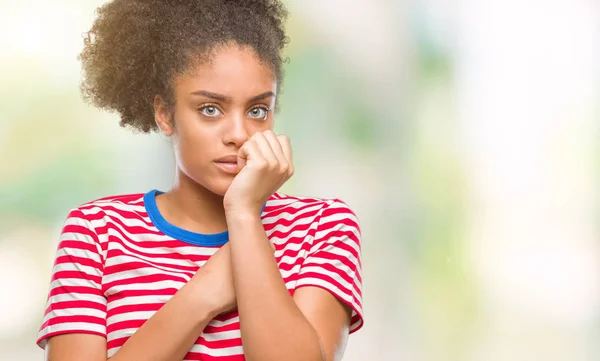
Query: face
point(218, 105)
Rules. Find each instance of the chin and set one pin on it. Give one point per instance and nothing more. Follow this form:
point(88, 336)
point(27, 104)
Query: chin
point(219, 186)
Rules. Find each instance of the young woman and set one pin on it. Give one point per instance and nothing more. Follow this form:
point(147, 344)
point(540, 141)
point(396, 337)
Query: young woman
point(222, 266)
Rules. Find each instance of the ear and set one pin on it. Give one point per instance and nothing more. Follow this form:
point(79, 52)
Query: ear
point(162, 116)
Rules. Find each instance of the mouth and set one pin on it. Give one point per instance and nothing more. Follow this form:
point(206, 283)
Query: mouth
point(227, 166)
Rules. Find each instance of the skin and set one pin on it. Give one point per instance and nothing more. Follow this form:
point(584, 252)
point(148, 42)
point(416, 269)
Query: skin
point(215, 115)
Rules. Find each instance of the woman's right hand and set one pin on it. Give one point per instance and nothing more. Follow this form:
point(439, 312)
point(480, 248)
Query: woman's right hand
point(214, 283)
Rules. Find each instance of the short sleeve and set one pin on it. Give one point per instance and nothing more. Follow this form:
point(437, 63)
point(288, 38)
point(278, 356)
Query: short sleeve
point(76, 302)
point(334, 261)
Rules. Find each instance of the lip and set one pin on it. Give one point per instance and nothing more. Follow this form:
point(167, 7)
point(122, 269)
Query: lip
point(231, 158)
point(228, 164)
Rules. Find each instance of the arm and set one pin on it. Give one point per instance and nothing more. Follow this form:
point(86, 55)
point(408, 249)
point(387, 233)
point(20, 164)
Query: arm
point(75, 321)
point(272, 325)
point(313, 325)
point(167, 335)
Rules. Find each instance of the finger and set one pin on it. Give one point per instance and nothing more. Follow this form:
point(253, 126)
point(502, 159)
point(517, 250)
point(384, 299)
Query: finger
point(265, 149)
point(287, 151)
point(277, 149)
point(248, 151)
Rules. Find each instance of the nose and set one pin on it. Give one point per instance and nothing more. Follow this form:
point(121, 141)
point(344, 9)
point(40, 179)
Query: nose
point(236, 131)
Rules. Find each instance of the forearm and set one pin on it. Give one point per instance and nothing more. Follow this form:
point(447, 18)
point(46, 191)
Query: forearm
point(172, 331)
point(272, 326)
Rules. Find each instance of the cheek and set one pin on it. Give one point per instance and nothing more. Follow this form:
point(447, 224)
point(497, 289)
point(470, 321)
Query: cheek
point(194, 142)
point(260, 126)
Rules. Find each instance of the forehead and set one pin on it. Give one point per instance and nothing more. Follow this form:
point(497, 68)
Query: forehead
point(231, 70)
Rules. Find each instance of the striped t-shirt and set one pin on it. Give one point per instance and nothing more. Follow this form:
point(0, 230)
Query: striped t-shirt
point(118, 261)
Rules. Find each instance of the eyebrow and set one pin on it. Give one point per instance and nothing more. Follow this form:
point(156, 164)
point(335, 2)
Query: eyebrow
point(227, 99)
point(262, 96)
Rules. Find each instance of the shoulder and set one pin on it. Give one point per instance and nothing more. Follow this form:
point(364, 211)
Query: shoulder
point(278, 200)
point(324, 211)
point(121, 206)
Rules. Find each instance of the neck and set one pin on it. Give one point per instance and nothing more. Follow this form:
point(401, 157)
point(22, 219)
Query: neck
point(192, 207)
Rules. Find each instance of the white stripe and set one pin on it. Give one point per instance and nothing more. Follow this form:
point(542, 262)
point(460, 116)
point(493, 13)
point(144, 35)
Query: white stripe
point(340, 228)
point(167, 264)
point(322, 271)
point(221, 336)
point(292, 260)
point(150, 270)
point(97, 207)
point(153, 286)
point(219, 352)
point(74, 282)
point(297, 222)
point(319, 282)
point(82, 253)
point(291, 246)
point(287, 274)
point(217, 323)
point(74, 327)
point(129, 316)
point(125, 332)
point(334, 251)
point(138, 300)
point(69, 266)
point(75, 312)
point(287, 214)
point(293, 234)
point(139, 221)
point(155, 237)
point(184, 250)
point(99, 299)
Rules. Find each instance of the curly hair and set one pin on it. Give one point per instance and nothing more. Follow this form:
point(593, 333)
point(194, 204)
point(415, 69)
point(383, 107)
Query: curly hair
point(135, 48)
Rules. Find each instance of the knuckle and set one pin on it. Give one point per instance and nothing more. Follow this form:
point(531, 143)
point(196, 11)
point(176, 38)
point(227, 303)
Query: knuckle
point(262, 164)
point(284, 168)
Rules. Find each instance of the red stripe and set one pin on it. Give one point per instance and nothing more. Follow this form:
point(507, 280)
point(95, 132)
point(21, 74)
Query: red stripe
point(302, 227)
point(196, 356)
point(57, 320)
point(145, 279)
point(123, 213)
point(64, 332)
point(320, 276)
point(65, 305)
point(70, 259)
point(76, 274)
point(126, 198)
point(220, 344)
point(135, 308)
point(81, 290)
point(113, 252)
point(135, 264)
point(81, 229)
point(77, 244)
point(135, 293)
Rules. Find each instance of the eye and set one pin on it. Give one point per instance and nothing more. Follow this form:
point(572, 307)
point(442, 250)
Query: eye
point(210, 111)
point(259, 112)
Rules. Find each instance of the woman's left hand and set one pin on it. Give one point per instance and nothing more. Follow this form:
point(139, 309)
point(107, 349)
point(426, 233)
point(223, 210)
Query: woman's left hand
point(265, 164)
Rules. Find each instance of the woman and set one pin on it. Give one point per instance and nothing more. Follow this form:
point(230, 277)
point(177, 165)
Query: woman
point(221, 259)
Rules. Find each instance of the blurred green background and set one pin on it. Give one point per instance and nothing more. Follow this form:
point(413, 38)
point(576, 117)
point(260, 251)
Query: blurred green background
point(463, 134)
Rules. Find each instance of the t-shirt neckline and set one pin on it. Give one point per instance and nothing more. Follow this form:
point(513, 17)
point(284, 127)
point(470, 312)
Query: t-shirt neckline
point(198, 239)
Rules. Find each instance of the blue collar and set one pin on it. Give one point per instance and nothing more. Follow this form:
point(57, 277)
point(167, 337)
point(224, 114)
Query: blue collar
point(198, 239)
